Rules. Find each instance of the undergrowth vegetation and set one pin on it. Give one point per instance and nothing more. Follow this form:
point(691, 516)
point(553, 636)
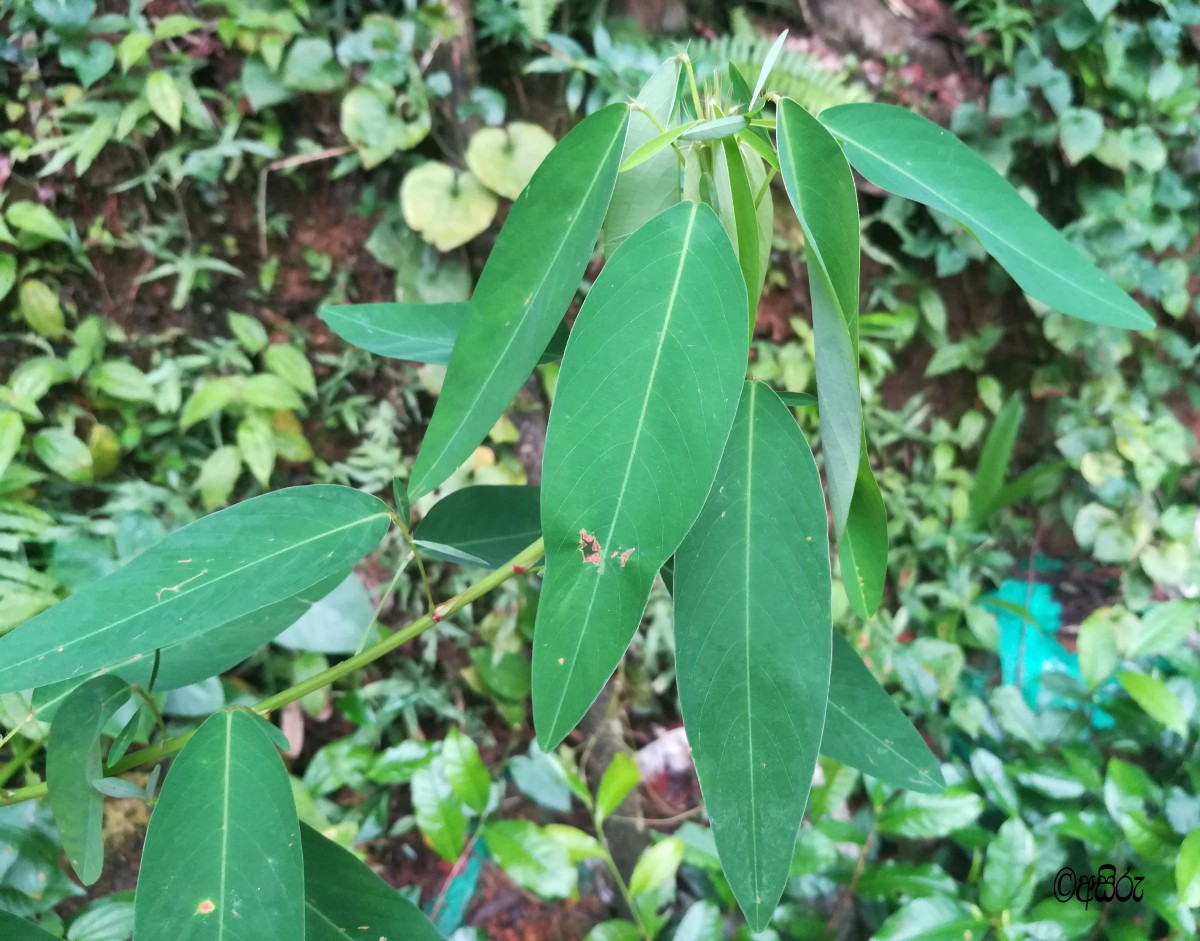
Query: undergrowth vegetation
point(183, 187)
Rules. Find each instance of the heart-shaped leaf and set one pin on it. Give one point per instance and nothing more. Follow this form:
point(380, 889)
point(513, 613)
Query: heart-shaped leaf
point(504, 159)
point(448, 208)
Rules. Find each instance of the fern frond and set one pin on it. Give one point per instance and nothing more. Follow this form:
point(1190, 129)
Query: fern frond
point(536, 15)
point(795, 75)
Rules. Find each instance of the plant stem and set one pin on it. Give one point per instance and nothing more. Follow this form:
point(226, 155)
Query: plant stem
point(21, 755)
point(621, 884)
point(522, 561)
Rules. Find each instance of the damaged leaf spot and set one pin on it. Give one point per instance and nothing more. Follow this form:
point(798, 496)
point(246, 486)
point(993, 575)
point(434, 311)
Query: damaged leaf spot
point(206, 907)
point(561, 661)
point(589, 547)
point(625, 556)
point(175, 588)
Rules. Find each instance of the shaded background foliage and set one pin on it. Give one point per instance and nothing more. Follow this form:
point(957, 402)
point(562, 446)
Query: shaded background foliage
point(183, 186)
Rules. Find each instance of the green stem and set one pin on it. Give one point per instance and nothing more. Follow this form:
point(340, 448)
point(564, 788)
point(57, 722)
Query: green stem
point(21, 755)
point(687, 64)
point(520, 563)
point(622, 886)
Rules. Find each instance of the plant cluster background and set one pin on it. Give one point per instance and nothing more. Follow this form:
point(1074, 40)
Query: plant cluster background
point(188, 190)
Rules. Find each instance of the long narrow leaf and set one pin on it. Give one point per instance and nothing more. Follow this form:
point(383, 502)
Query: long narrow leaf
point(525, 288)
point(741, 217)
point(863, 546)
point(206, 574)
point(645, 400)
point(753, 645)
point(821, 189)
point(994, 459)
point(911, 156)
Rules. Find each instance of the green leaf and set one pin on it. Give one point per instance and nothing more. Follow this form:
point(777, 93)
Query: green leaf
point(580, 846)
point(752, 645)
point(439, 814)
point(933, 919)
point(1080, 130)
point(866, 730)
point(908, 155)
point(249, 331)
point(212, 397)
point(1163, 628)
point(13, 928)
point(821, 189)
point(121, 380)
point(642, 192)
point(332, 621)
point(645, 400)
point(12, 431)
point(466, 774)
point(619, 779)
point(1010, 871)
point(482, 525)
point(863, 548)
point(64, 454)
point(291, 365)
point(269, 391)
point(531, 858)
point(8, 274)
point(926, 816)
point(212, 571)
point(1187, 871)
point(994, 459)
point(447, 207)
point(1156, 700)
point(40, 308)
point(701, 922)
point(164, 98)
point(527, 283)
point(504, 159)
point(256, 445)
point(654, 147)
point(716, 128)
point(656, 866)
point(36, 219)
point(995, 782)
point(106, 919)
point(346, 901)
point(223, 858)
point(739, 215)
point(73, 763)
point(768, 64)
point(422, 333)
point(218, 474)
point(615, 929)
point(796, 399)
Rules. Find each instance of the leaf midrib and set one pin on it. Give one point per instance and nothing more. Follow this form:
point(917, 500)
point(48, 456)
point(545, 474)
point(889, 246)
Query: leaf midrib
point(753, 803)
point(978, 225)
point(159, 605)
point(684, 250)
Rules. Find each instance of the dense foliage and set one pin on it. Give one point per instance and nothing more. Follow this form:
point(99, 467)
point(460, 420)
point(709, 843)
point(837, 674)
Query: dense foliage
point(1038, 619)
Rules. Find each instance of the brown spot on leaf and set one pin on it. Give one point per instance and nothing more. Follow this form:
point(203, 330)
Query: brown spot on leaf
point(206, 907)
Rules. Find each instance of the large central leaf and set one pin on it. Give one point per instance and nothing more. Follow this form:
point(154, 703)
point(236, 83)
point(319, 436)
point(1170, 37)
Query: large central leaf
point(524, 290)
point(911, 156)
point(200, 577)
point(645, 400)
point(753, 640)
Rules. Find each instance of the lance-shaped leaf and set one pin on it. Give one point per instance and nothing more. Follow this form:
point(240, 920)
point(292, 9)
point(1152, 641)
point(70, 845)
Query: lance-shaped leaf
point(198, 657)
point(752, 645)
point(863, 546)
point(739, 215)
point(73, 763)
point(346, 901)
point(420, 333)
point(821, 189)
point(645, 190)
point(645, 400)
point(222, 567)
point(223, 859)
point(911, 156)
point(994, 460)
point(529, 279)
point(866, 730)
point(484, 526)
